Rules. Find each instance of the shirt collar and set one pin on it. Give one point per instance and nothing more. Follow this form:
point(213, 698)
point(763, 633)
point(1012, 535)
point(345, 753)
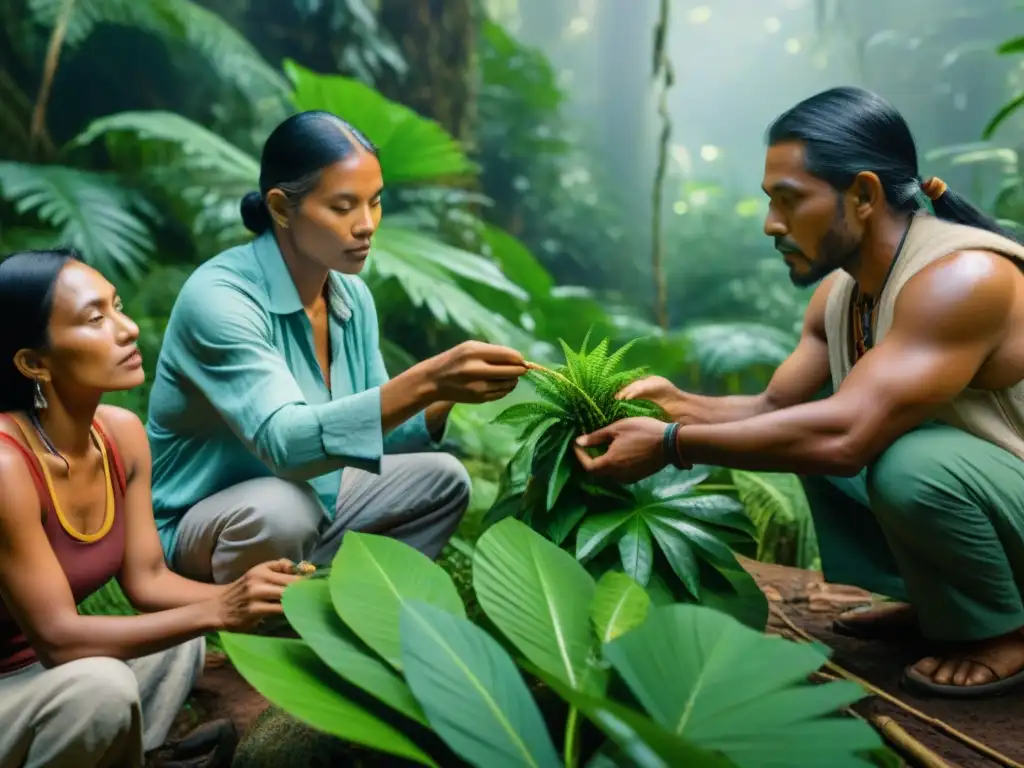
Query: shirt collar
point(281, 292)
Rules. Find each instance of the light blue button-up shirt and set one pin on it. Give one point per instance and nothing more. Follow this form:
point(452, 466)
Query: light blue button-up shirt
point(238, 392)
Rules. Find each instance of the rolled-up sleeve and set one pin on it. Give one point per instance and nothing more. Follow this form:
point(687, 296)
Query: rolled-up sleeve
point(226, 351)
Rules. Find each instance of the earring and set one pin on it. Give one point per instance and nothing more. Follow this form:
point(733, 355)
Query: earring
point(39, 400)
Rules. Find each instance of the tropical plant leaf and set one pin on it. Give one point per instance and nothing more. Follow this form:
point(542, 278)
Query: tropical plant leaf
point(412, 148)
point(538, 596)
point(563, 462)
point(723, 348)
point(471, 691)
point(644, 743)
point(289, 674)
point(777, 506)
point(372, 576)
point(91, 212)
point(724, 687)
point(307, 605)
point(234, 58)
point(619, 605)
point(636, 550)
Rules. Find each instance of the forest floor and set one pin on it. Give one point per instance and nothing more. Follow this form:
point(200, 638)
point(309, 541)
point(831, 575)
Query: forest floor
point(809, 604)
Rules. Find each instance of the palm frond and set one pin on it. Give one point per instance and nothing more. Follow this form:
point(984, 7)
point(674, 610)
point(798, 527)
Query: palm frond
point(184, 161)
point(91, 212)
point(234, 59)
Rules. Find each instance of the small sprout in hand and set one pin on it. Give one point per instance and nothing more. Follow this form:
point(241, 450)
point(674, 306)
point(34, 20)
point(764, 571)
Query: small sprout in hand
point(304, 569)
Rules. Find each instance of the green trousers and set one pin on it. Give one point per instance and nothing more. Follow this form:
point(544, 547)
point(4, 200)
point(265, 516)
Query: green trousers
point(938, 521)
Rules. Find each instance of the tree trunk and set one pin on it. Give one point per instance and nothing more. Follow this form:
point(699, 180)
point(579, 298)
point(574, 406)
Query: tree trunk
point(438, 40)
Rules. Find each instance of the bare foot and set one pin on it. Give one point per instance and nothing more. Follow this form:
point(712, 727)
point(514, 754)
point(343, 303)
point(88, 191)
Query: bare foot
point(877, 621)
point(981, 663)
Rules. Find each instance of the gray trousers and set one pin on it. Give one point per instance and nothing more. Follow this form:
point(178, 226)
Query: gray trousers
point(96, 712)
point(418, 498)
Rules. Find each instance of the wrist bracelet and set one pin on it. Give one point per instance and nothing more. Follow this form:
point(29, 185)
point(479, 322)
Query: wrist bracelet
point(669, 447)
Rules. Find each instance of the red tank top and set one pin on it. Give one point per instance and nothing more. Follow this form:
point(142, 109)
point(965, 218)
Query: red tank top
point(88, 564)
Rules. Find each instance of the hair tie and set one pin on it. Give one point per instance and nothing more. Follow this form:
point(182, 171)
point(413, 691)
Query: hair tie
point(934, 188)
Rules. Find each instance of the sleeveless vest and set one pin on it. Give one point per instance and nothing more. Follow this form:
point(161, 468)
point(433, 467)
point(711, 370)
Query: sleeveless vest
point(993, 415)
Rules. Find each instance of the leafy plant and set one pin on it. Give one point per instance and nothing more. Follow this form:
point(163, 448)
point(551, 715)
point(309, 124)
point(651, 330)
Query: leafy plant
point(544, 486)
point(387, 659)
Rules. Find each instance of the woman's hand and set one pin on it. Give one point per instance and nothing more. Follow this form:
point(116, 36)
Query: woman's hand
point(475, 372)
point(636, 449)
point(254, 596)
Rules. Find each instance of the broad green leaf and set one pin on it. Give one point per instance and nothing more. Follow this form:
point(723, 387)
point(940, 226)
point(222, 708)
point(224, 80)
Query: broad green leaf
point(636, 550)
point(724, 687)
point(562, 520)
point(412, 148)
point(705, 544)
point(619, 605)
point(679, 554)
point(562, 469)
point(307, 605)
point(539, 596)
point(644, 742)
point(372, 576)
point(712, 508)
point(517, 261)
point(289, 674)
point(598, 531)
point(777, 505)
point(471, 691)
point(734, 592)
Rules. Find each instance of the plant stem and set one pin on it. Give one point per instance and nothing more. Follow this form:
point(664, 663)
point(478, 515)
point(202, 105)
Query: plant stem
point(60, 28)
point(571, 728)
point(710, 487)
point(571, 383)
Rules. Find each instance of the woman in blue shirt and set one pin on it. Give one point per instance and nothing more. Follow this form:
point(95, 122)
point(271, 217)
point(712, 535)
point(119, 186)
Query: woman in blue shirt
point(270, 381)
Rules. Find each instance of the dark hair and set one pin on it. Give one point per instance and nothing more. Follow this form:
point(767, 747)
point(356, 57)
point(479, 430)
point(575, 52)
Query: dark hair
point(295, 154)
point(849, 130)
point(27, 282)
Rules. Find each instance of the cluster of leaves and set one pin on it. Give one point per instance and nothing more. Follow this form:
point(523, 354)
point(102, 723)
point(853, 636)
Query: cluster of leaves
point(695, 528)
point(388, 659)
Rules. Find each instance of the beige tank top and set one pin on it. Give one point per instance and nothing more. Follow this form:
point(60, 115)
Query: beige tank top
point(993, 415)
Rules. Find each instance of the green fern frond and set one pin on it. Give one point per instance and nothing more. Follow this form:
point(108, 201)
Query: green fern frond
point(625, 409)
point(615, 358)
point(527, 412)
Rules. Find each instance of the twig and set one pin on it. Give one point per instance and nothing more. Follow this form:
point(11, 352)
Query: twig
point(934, 722)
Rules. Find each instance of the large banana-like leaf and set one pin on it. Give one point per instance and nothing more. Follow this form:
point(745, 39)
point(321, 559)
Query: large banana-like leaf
point(724, 687)
point(90, 211)
point(539, 596)
point(291, 676)
point(412, 148)
point(372, 576)
point(778, 507)
point(235, 60)
point(471, 691)
point(308, 607)
point(619, 605)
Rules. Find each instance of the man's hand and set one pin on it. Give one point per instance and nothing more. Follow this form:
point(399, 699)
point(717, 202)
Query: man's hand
point(635, 449)
point(658, 390)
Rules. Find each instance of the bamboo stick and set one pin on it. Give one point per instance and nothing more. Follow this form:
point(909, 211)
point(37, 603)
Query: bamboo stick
point(894, 733)
point(934, 722)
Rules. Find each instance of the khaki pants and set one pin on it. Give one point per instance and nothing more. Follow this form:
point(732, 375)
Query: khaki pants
point(418, 498)
point(96, 712)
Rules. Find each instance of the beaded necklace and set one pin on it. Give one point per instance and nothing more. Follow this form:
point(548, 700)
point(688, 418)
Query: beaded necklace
point(862, 308)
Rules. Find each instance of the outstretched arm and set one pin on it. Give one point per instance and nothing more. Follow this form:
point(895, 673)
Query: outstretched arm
point(948, 320)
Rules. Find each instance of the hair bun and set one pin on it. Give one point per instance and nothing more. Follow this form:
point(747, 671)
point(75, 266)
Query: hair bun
point(255, 215)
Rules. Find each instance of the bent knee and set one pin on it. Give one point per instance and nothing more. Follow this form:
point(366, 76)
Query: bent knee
point(280, 511)
point(447, 475)
point(103, 686)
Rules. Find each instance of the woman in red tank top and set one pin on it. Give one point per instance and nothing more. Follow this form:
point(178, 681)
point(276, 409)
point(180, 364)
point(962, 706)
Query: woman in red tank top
point(76, 512)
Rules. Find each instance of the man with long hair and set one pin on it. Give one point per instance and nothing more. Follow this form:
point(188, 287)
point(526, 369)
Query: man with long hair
point(914, 466)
